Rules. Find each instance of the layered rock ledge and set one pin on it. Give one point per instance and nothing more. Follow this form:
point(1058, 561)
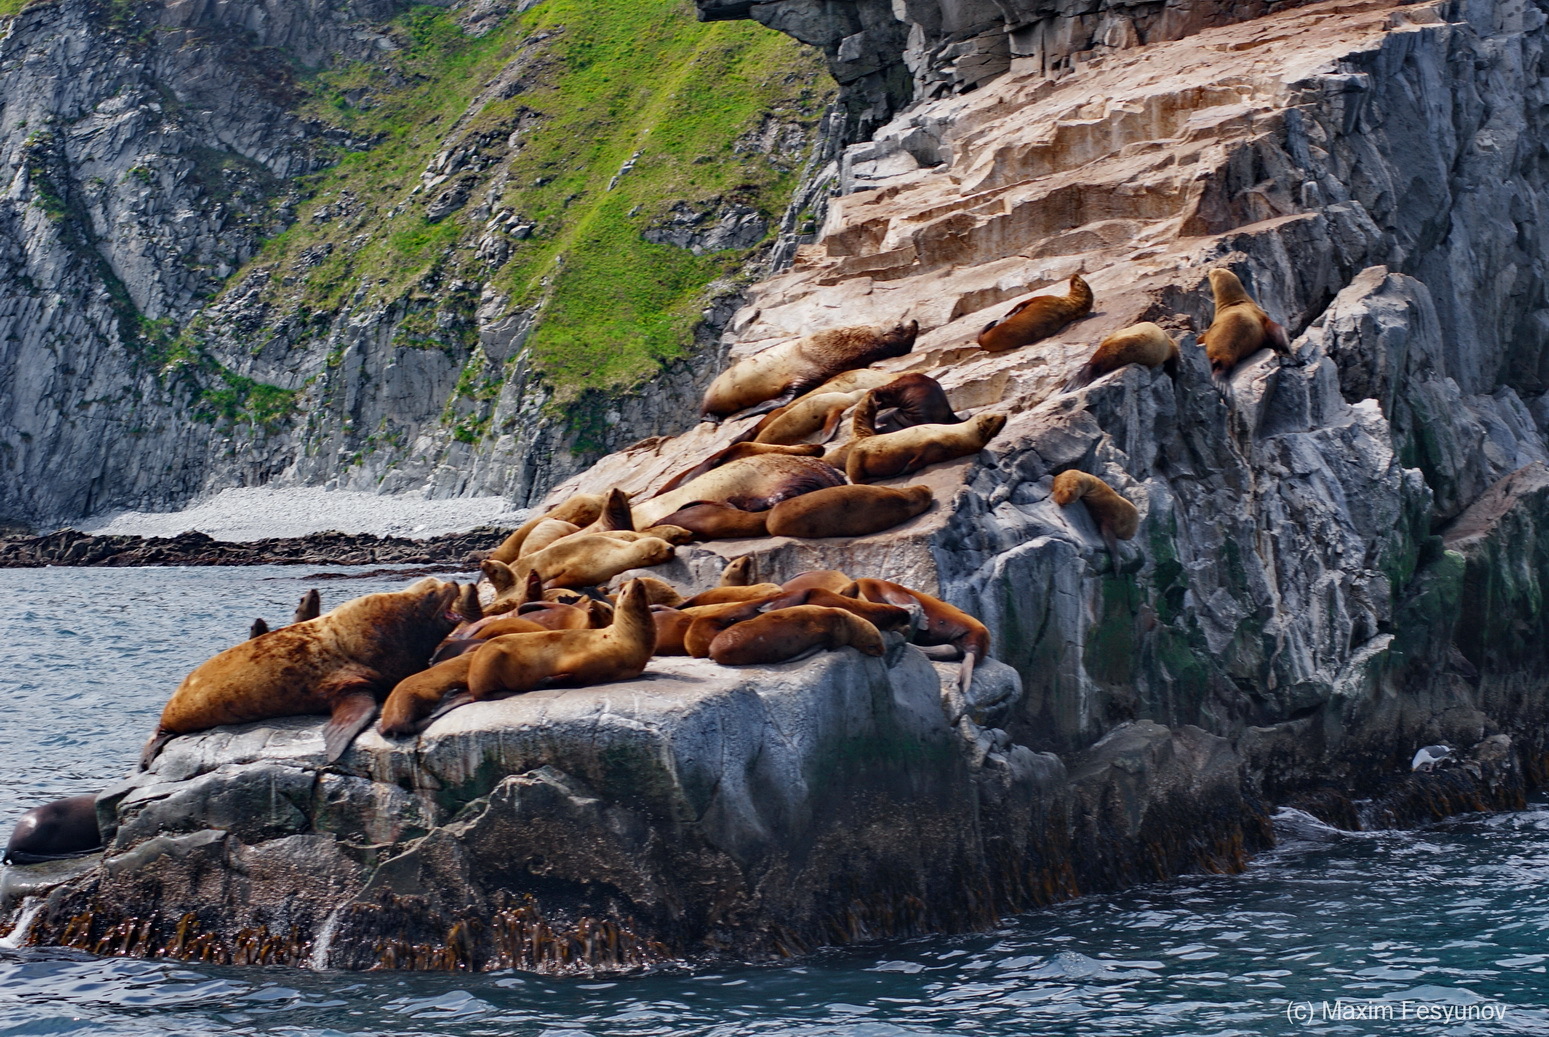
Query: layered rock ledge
point(72, 547)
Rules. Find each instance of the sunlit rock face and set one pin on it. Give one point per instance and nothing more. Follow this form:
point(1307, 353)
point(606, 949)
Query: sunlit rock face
point(1340, 556)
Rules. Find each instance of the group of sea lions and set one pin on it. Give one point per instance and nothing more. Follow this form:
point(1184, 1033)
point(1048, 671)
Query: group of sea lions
point(543, 618)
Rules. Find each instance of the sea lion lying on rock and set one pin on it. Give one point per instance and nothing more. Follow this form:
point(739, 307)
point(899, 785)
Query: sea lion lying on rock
point(736, 452)
point(580, 510)
point(1240, 327)
point(714, 520)
point(1116, 518)
point(340, 663)
point(941, 625)
point(779, 374)
point(814, 414)
point(793, 633)
point(752, 483)
point(914, 399)
point(847, 511)
point(521, 662)
point(1037, 318)
point(886, 456)
point(1144, 343)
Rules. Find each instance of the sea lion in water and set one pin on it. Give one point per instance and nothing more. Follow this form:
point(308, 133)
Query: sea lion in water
point(753, 483)
point(779, 374)
point(1116, 518)
point(1240, 328)
point(892, 454)
point(1036, 318)
point(581, 509)
point(713, 520)
point(64, 828)
point(736, 452)
point(941, 626)
point(813, 413)
point(339, 663)
point(915, 399)
point(1144, 343)
point(787, 634)
point(847, 511)
point(521, 662)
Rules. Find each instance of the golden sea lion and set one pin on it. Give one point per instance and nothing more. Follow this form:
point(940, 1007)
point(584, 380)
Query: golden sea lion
point(581, 509)
point(724, 594)
point(879, 614)
point(779, 374)
point(545, 533)
point(339, 663)
point(788, 634)
point(847, 511)
point(1036, 318)
point(941, 625)
point(591, 559)
point(1240, 328)
point(813, 413)
point(828, 579)
point(657, 592)
point(861, 379)
point(915, 399)
point(1144, 343)
point(521, 662)
point(1116, 518)
point(892, 454)
point(736, 452)
point(713, 520)
point(511, 589)
point(752, 483)
point(615, 514)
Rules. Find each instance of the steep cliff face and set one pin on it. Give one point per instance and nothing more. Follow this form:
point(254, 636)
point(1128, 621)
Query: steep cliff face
point(488, 210)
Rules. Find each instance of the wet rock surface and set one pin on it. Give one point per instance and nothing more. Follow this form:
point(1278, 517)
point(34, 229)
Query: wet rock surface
point(71, 547)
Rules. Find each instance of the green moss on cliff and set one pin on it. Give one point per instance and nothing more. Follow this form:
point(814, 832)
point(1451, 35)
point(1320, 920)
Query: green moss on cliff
point(502, 160)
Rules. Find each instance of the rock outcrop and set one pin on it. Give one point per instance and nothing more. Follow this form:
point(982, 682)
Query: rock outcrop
point(1340, 558)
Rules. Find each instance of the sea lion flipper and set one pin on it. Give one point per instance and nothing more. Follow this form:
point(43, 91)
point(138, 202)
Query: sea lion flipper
point(965, 673)
point(154, 746)
point(1276, 335)
point(943, 653)
point(1081, 378)
point(451, 702)
point(351, 715)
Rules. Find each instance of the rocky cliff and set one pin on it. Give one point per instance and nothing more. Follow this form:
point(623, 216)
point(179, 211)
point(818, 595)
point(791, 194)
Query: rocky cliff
point(1341, 553)
point(374, 244)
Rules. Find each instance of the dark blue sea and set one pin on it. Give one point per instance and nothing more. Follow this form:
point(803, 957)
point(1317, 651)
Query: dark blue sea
point(1438, 931)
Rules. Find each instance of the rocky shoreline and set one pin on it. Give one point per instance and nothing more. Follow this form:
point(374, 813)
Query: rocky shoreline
point(69, 547)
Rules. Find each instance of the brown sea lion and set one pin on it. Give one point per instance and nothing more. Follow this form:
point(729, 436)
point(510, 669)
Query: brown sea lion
point(657, 592)
point(861, 379)
point(722, 595)
point(828, 579)
point(788, 634)
point(589, 614)
point(591, 559)
point(879, 614)
point(1240, 328)
point(521, 662)
point(779, 374)
point(615, 514)
point(511, 589)
point(1116, 518)
point(739, 571)
point(736, 452)
point(258, 629)
point(815, 413)
point(1036, 318)
point(847, 511)
point(671, 624)
point(309, 607)
point(941, 625)
point(713, 520)
point(466, 640)
point(545, 533)
point(893, 454)
point(915, 399)
point(752, 483)
point(581, 509)
point(1144, 343)
point(339, 663)
point(54, 831)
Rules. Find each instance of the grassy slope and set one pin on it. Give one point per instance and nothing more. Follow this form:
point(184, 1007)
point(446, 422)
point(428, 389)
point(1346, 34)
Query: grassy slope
point(615, 77)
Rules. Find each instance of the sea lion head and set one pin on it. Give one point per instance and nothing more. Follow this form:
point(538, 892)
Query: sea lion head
point(899, 339)
point(655, 551)
point(988, 426)
point(1227, 288)
point(499, 575)
point(1068, 486)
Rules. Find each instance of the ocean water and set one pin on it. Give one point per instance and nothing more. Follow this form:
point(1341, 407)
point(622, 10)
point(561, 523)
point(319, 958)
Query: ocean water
point(1439, 931)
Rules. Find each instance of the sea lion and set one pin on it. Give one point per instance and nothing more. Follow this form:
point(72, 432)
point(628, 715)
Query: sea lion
point(64, 828)
point(707, 621)
point(521, 662)
point(861, 379)
point(777, 637)
point(339, 663)
point(590, 559)
point(510, 589)
point(814, 413)
point(713, 520)
point(736, 452)
point(892, 454)
point(309, 607)
point(739, 571)
point(828, 579)
point(671, 624)
point(657, 592)
point(941, 625)
point(466, 640)
point(589, 614)
point(722, 595)
point(546, 533)
point(847, 511)
point(1144, 343)
point(881, 615)
point(581, 509)
point(1036, 318)
point(615, 514)
point(915, 399)
point(753, 483)
point(258, 629)
point(1240, 328)
point(779, 374)
point(1117, 519)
